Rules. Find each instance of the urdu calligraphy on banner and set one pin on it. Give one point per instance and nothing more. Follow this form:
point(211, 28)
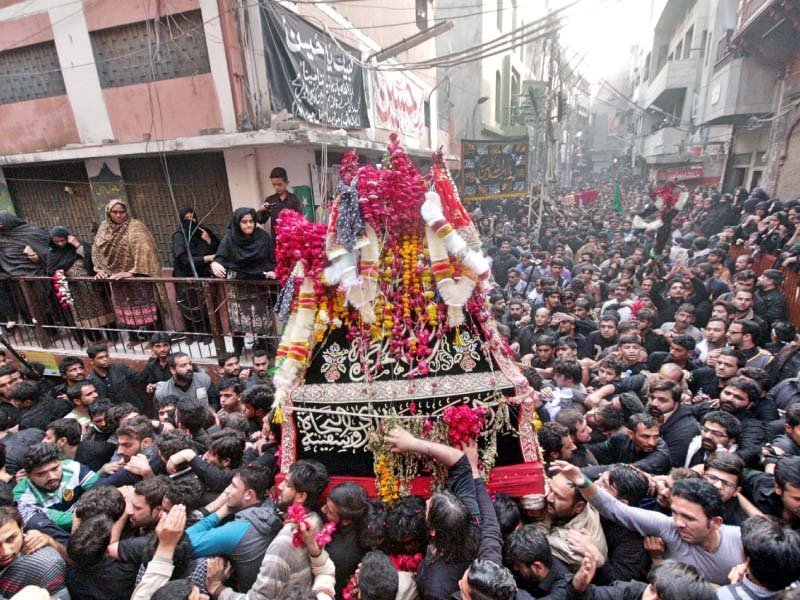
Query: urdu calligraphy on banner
point(494, 170)
point(311, 75)
point(399, 104)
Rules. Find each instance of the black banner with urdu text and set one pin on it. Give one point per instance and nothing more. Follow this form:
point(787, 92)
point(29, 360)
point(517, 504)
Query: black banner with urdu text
point(311, 76)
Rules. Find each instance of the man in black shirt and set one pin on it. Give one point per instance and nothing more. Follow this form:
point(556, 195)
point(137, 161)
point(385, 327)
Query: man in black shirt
point(606, 336)
point(502, 262)
point(453, 548)
point(724, 471)
point(537, 571)
point(626, 561)
point(112, 380)
point(771, 304)
point(777, 495)
point(156, 369)
point(640, 446)
point(282, 199)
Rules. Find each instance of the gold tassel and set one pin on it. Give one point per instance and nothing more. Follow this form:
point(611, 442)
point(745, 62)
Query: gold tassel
point(277, 416)
point(457, 339)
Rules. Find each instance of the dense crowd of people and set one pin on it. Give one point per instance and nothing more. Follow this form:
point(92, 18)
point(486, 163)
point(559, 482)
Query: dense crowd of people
point(668, 421)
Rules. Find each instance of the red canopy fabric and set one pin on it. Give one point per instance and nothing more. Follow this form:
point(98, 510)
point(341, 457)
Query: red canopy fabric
point(515, 480)
point(588, 196)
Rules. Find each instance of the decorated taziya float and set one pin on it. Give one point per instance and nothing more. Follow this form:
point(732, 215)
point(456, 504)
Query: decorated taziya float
point(387, 323)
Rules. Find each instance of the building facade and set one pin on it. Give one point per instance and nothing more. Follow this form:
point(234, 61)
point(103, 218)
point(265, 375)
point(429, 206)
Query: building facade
point(180, 103)
point(766, 40)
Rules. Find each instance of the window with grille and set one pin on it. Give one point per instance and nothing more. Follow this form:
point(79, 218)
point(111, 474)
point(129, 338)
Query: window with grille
point(29, 73)
point(174, 46)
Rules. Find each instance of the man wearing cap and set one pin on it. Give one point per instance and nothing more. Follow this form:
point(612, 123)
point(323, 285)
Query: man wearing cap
point(771, 304)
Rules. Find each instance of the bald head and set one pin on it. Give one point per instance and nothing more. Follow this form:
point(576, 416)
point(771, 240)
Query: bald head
point(671, 371)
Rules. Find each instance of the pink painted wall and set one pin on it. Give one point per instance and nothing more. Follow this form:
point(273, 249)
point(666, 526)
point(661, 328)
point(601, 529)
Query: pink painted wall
point(41, 124)
point(102, 14)
point(187, 105)
point(25, 31)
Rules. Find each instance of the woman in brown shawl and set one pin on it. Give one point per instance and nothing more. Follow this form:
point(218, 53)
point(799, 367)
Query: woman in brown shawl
point(125, 248)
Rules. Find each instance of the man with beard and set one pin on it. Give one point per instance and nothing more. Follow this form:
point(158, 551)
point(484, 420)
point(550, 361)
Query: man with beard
point(640, 446)
point(694, 535)
point(73, 372)
point(743, 335)
point(503, 261)
point(720, 431)
point(738, 399)
point(567, 515)
point(52, 484)
point(185, 383)
point(771, 303)
point(230, 368)
point(156, 369)
point(245, 538)
point(138, 452)
point(710, 381)
point(581, 435)
point(82, 395)
point(284, 563)
point(677, 423)
point(143, 511)
point(260, 371)
point(725, 471)
point(112, 380)
point(714, 339)
point(536, 570)
point(743, 301)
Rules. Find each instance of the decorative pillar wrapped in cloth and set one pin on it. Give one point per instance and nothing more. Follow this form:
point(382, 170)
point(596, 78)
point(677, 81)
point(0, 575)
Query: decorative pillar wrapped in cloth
point(387, 322)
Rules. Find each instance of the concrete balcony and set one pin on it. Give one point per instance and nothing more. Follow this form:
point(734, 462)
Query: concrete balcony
point(664, 142)
point(739, 88)
point(674, 75)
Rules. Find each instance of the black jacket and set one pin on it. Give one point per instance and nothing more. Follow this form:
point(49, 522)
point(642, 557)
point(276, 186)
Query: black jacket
point(552, 587)
point(117, 385)
point(500, 266)
point(619, 590)
point(786, 393)
point(753, 437)
point(678, 432)
point(619, 449)
point(626, 559)
point(772, 306)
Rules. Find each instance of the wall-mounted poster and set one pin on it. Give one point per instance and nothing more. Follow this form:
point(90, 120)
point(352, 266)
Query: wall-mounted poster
point(494, 170)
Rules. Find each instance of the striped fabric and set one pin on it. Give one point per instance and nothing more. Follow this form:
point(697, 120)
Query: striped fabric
point(44, 568)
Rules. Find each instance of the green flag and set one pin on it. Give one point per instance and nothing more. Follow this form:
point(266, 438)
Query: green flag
point(617, 199)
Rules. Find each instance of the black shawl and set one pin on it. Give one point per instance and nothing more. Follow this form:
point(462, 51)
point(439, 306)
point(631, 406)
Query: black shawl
point(62, 258)
point(15, 234)
point(196, 250)
point(251, 255)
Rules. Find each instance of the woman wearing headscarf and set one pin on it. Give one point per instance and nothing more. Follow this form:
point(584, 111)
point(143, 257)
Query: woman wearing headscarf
point(124, 248)
point(246, 253)
point(23, 252)
point(193, 243)
point(91, 308)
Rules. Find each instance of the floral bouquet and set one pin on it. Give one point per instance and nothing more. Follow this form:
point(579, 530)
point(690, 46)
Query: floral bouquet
point(296, 514)
point(61, 288)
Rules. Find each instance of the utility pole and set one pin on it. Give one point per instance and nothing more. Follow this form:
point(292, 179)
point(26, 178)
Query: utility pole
point(549, 139)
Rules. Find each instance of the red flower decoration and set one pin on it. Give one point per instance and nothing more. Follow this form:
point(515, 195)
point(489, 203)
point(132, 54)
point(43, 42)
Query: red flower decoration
point(464, 424)
point(406, 562)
